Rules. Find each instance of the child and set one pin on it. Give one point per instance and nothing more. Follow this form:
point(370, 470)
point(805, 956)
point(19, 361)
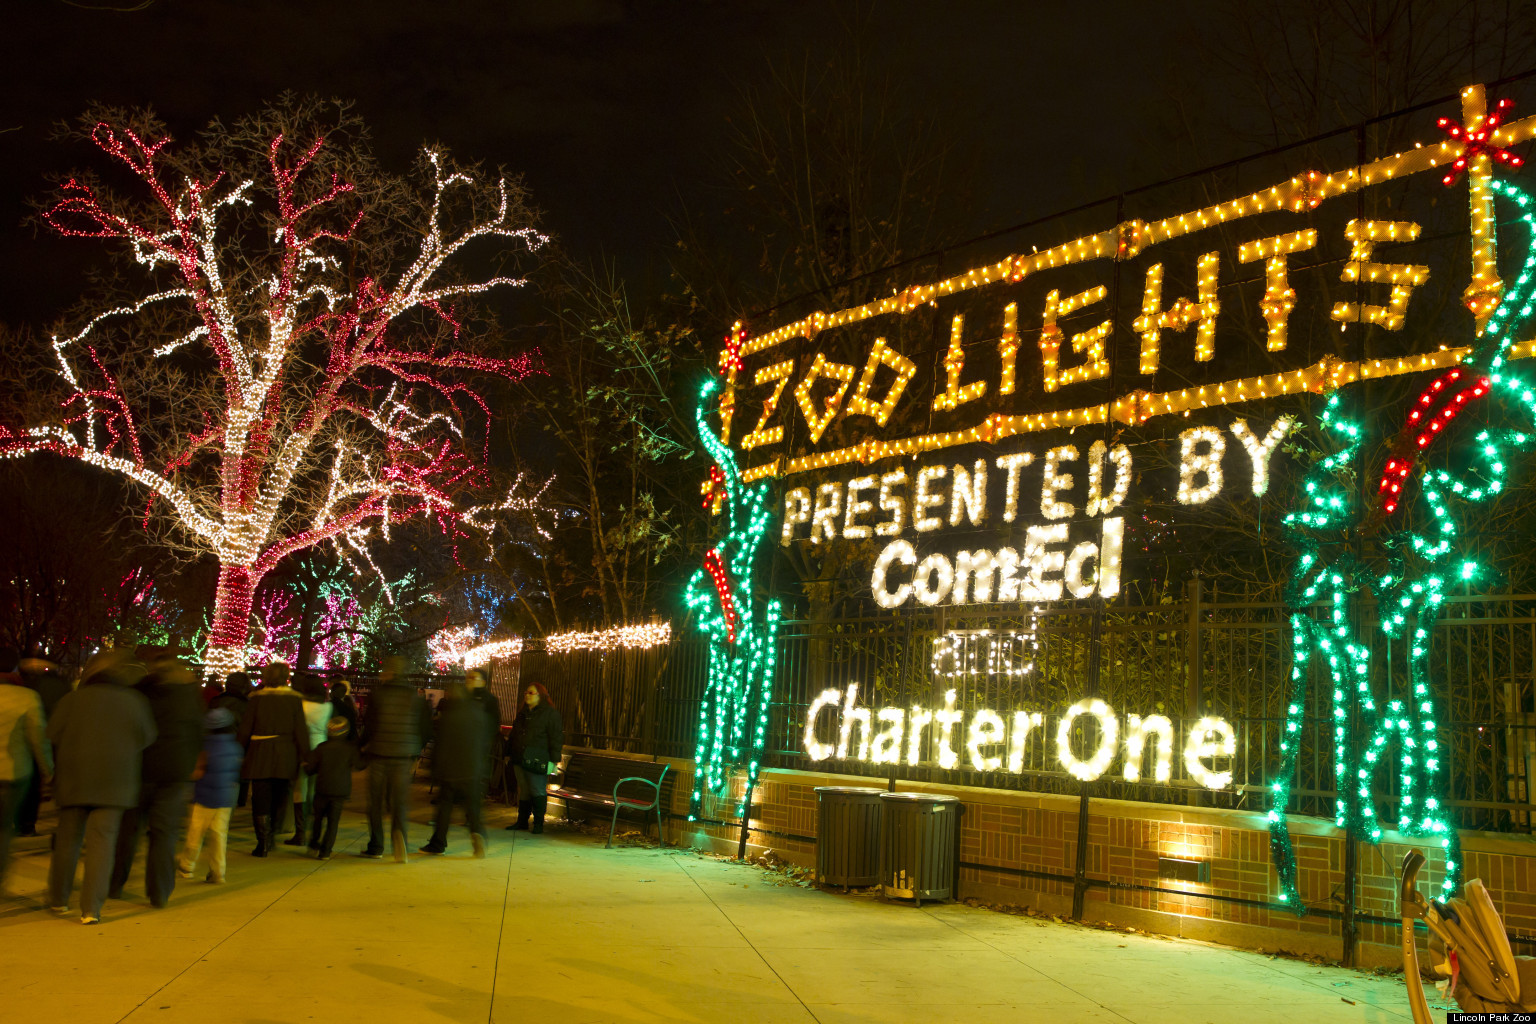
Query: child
point(213, 794)
point(332, 764)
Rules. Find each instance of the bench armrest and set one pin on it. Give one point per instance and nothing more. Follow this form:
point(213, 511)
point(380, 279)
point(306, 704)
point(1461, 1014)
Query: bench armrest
point(654, 785)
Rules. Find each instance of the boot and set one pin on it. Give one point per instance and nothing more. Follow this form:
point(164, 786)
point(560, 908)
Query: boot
point(540, 804)
point(298, 827)
point(263, 825)
point(524, 808)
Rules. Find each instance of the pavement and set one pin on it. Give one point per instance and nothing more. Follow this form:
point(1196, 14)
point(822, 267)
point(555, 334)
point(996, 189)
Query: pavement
point(556, 929)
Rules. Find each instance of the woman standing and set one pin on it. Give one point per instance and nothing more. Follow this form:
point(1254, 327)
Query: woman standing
point(276, 740)
point(317, 715)
point(537, 739)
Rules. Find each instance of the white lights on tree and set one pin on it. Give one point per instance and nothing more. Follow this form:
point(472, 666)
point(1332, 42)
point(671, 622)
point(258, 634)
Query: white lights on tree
point(856, 507)
point(814, 749)
point(1109, 732)
point(987, 730)
point(1137, 729)
point(1200, 452)
point(922, 500)
point(1055, 481)
point(902, 553)
point(1210, 737)
point(1260, 449)
point(640, 637)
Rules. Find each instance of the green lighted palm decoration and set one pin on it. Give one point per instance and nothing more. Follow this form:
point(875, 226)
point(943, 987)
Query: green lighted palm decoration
point(1409, 582)
point(733, 716)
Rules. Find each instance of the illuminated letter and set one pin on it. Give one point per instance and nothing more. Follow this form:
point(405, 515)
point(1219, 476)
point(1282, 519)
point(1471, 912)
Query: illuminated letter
point(1136, 730)
point(829, 500)
point(1198, 747)
point(1041, 560)
point(954, 394)
point(781, 373)
point(931, 593)
point(978, 566)
point(797, 510)
point(1279, 297)
point(968, 496)
point(1081, 584)
point(819, 751)
point(895, 551)
point(861, 404)
point(1089, 341)
point(852, 715)
point(818, 419)
point(1260, 450)
point(1154, 319)
point(894, 504)
point(1404, 277)
point(1007, 574)
point(1109, 730)
point(1109, 556)
point(922, 501)
point(852, 528)
point(986, 730)
point(1055, 481)
point(915, 727)
point(947, 720)
point(1008, 348)
point(1012, 464)
point(1023, 722)
point(1099, 503)
point(886, 748)
point(1195, 463)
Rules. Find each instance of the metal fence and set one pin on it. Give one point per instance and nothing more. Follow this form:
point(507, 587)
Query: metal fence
point(1195, 656)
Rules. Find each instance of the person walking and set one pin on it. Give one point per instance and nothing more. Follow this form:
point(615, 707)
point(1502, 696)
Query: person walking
point(396, 725)
point(343, 705)
point(99, 734)
point(275, 738)
point(317, 713)
point(165, 780)
point(237, 698)
point(213, 796)
point(332, 764)
point(537, 742)
point(460, 741)
point(25, 756)
point(44, 678)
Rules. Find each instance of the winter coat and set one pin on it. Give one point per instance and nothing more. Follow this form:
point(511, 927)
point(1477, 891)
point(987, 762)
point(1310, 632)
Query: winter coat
point(332, 764)
point(50, 685)
point(397, 722)
point(317, 715)
point(543, 735)
point(178, 712)
point(99, 734)
point(460, 741)
point(274, 734)
point(221, 773)
point(492, 705)
point(21, 732)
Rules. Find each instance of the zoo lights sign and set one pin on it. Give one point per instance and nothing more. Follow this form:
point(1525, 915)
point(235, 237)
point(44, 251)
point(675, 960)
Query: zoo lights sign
point(986, 741)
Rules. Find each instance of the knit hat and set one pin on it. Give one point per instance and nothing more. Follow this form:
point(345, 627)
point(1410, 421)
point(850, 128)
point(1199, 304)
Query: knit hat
point(337, 726)
point(218, 718)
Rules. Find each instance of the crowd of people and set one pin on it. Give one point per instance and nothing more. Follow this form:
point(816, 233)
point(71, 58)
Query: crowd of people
point(139, 750)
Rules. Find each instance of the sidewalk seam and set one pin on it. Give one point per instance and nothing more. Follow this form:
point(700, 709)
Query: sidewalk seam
point(506, 897)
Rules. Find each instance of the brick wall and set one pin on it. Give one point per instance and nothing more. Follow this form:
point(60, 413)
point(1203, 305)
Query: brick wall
point(1006, 832)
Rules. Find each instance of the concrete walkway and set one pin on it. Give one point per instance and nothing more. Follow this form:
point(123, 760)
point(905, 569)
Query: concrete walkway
point(556, 929)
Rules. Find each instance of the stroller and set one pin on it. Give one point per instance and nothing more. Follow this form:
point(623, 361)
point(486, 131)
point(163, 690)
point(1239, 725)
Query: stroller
point(1468, 947)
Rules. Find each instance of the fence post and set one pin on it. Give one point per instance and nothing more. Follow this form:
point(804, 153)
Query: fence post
point(1195, 682)
point(1351, 868)
point(1095, 667)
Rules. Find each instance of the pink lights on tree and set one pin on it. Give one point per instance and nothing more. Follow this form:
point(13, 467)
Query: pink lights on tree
point(328, 404)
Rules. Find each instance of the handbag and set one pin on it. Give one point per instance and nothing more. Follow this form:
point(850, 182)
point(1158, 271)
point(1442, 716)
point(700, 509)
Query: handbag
point(533, 764)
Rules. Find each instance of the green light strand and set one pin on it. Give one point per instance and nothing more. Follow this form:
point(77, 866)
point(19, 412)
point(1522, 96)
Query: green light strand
point(733, 714)
point(1411, 595)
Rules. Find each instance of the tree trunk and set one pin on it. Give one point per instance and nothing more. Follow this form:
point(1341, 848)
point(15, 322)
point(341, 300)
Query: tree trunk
point(231, 629)
point(310, 590)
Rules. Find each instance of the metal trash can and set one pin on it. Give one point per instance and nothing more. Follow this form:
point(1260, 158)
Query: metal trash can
point(917, 848)
point(848, 835)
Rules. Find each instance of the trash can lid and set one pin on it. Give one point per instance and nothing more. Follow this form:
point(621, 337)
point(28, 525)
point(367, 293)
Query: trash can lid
point(921, 798)
point(850, 789)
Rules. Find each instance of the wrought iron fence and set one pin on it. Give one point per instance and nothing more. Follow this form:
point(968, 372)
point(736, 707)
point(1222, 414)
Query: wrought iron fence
point(1184, 659)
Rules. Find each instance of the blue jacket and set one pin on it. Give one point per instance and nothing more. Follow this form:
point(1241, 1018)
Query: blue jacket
point(221, 776)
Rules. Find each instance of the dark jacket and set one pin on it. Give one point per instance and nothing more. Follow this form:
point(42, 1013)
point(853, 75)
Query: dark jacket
point(397, 722)
point(460, 741)
point(221, 772)
point(239, 706)
point(50, 685)
point(274, 734)
point(99, 733)
point(332, 764)
point(542, 736)
point(178, 712)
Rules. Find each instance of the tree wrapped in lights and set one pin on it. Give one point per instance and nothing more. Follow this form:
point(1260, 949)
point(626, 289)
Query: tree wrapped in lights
point(742, 631)
point(295, 373)
point(1408, 580)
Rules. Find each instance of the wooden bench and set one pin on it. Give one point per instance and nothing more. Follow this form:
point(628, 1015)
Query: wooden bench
point(592, 778)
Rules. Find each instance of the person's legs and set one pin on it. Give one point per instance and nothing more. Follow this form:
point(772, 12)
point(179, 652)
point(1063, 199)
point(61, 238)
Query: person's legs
point(192, 847)
point(524, 804)
point(127, 843)
point(10, 795)
point(218, 843)
point(301, 793)
point(261, 814)
point(539, 798)
point(167, 804)
point(378, 775)
point(474, 796)
point(101, 830)
point(400, 803)
point(332, 814)
point(29, 804)
point(443, 818)
point(66, 854)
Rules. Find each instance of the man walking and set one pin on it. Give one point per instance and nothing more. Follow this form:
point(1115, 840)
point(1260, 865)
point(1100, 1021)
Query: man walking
point(396, 725)
point(45, 679)
point(276, 742)
point(22, 746)
point(460, 744)
point(165, 784)
point(99, 733)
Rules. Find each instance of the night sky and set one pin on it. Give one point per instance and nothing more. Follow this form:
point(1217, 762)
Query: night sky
point(614, 111)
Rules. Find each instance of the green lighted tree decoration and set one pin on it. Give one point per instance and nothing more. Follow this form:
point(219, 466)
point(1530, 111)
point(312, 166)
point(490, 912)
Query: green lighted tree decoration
point(1408, 578)
point(733, 716)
